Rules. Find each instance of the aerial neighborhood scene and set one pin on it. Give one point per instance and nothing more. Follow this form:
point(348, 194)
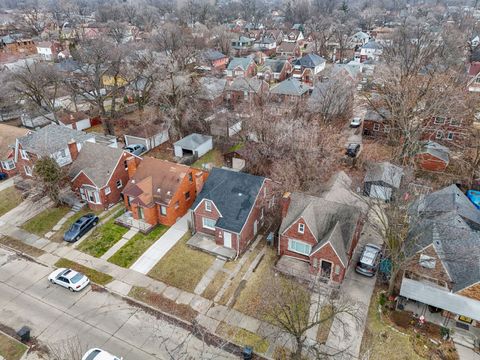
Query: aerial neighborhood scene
point(239, 179)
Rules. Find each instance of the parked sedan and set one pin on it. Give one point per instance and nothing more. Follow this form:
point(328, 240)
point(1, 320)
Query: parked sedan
point(369, 259)
point(356, 122)
point(3, 176)
point(68, 278)
point(80, 227)
point(99, 354)
point(135, 149)
point(352, 150)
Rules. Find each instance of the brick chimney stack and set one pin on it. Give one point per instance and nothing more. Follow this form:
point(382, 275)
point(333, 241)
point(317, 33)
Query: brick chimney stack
point(72, 147)
point(131, 166)
point(285, 203)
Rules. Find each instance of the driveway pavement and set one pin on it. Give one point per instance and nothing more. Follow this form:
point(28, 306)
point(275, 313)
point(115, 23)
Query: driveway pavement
point(465, 353)
point(96, 318)
point(25, 211)
point(158, 250)
point(5, 184)
point(347, 332)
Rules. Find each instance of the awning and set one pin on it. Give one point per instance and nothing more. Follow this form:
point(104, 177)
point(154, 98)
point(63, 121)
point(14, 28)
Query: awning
point(443, 299)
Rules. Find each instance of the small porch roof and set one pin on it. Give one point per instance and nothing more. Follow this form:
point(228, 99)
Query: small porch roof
point(435, 296)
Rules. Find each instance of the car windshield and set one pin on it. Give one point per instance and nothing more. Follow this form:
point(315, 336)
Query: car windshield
point(76, 278)
point(74, 227)
point(92, 355)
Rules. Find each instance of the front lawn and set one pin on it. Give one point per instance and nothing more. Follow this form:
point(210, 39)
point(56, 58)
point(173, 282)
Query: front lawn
point(9, 199)
point(20, 246)
point(243, 337)
point(46, 220)
point(58, 236)
point(182, 266)
point(11, 349)
point(103, 238)
point(94, 275)
point(214, 157)
point(136, 246)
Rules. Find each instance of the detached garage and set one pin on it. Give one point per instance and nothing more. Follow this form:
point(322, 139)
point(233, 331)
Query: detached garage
point(382, 181)
point(193, 144)
point(150, 136)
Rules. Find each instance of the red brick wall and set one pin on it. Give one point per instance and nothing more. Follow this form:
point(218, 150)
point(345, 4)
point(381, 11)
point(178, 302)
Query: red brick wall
point(21, 163)
point(327, 253)
point(292, 233)
point(368, 129)
point(220, 64)
point(200, 213)
point(430, 163)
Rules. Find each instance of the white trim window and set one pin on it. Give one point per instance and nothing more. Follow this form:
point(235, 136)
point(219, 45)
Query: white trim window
point(208, 205)
point(450, 135)
point(119, 184)
point(24, 155)
point(163, 210)
point(439, 134)
point(92, 195)
point(208, 223)
point(299, 247)
point(28, 170)
point(386, 128)
point(376, 127)
point(439, 120)
point(8, 164)
point(107, 190)
point(301, 228)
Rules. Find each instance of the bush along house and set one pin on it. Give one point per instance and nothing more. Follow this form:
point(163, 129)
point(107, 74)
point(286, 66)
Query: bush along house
point(99, 174)
point(159, 192)
point(317, 237)
point(229, 212)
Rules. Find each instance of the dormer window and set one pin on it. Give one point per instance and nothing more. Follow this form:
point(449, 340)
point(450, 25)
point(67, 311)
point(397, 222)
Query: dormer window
point(301, 228)
point(208, 205)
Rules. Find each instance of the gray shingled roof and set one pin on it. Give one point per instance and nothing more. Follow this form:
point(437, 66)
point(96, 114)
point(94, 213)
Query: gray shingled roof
point(276, 65)
point(372, 44)
point(243, 63)
point(212, 54)
point(290, 86)
point(233, 193)
point(192, 141)
point(386, 172)
point(435, 149)
point(211, 88)
point(327, 220)
point(51, 138)
point(309, 61)
point(97, 162)
point(243, 84)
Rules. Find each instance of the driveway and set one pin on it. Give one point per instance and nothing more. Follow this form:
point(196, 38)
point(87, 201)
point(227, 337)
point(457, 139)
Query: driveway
point(25, 211)
point(95, 318)
point(158, 249)
point(465, 353)
point(5, 184)
point(347, 332)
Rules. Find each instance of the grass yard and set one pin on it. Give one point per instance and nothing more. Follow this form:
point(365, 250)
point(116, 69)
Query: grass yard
point(213, 157)
point(58, 236)
point(9, 199)
point(136, 246)
point(382, 341)
point(11, 349)
point(94, 275)
point(103, 238)
point(160, 302)
point(46, 220)
point(182, 266)
point(243, 337)
point(20, 246)
point(215, 285)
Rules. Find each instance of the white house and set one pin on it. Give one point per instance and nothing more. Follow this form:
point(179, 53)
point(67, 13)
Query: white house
point(371, 50)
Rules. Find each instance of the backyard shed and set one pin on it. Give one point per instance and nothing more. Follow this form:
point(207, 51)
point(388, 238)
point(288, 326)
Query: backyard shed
point(151, 136)
point(193, 144)
point(382, 180)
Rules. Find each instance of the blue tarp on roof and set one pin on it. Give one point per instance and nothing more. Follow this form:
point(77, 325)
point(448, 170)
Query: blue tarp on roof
point(474, 197)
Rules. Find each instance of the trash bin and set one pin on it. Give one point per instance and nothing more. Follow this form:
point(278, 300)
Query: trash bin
point(247, 353)
point(24, 334)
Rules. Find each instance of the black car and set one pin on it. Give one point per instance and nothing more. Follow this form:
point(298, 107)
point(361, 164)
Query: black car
point(352, 150)
point(369, 259)
point(80, 227)
point(3, 176)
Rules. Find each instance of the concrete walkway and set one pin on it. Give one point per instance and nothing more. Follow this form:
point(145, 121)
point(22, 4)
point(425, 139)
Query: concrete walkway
point(25, 211)
point(158, 249)
point(5, 184)
point(129, 234)
point(59, 225)
point(209, 275)
point(465, 353)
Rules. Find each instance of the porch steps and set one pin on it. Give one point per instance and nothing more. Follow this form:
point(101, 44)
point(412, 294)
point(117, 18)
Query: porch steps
point(463, 339)
point(78, 206)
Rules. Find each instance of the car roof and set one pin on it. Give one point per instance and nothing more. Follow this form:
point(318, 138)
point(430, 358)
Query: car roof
point(98, 354)
point(69, 273)
point(369, 254)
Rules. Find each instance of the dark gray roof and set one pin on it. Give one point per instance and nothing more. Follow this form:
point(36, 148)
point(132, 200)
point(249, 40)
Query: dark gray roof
point(233, 194)
point(211, 88)
point(211, 55)
point(290, 86)
point(309, 61)
point(377, 116)
point(386, 172)
point(243, 84)
point(276, 65)
point(193, 141)
point(327, 220)
point(243, 63)
point(372, 44)
point(52, 138)
point(97, 162)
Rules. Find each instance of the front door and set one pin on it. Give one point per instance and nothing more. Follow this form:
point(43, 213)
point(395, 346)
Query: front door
point(141, 215)
point(227, 239)
point(326, 269)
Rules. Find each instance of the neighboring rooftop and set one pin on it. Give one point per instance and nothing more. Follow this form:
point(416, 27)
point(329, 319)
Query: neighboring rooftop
point(242, 63)
point(193, 141)
point(310, 61)
point(385, 172)
point(290, 86)
point(211, 88)
point(8, 136)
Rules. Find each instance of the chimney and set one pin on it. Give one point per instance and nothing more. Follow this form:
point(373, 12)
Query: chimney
point(131, 166)
point(285, 203)
point(72, 147)
point(199, 181)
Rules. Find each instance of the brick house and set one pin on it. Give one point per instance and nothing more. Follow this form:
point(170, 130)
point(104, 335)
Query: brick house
point(8, 137)
point(49, 50)
point(375, 124)
point(443, 274)
point(229, 211)
point(56, 141)
point(99, 174)
point(214, 59)
point(274, 70)
point(432, 157)
point(288, 49)
point(307, 67)
point(159, 191)
point(446, 131)
point(211, 92)
point(241, 67)
point(320, 233)
point(246, 90)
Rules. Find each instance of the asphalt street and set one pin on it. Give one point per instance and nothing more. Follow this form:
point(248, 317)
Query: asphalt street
point(92, 318)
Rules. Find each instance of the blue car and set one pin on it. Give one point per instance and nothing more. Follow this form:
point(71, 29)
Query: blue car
point(3, 176)
point(80, 227)
point(474, 197)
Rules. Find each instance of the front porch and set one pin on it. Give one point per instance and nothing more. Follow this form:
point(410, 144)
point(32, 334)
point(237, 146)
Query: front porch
point(207, 243)
point(293, 267)
point(127, 220)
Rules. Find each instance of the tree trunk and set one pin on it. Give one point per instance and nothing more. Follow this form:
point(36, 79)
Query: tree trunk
point(298, 351)
point(391, 282)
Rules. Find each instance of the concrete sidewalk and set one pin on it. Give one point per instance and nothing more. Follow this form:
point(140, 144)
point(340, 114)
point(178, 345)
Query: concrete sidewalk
point(5, 184)
point(158, 249)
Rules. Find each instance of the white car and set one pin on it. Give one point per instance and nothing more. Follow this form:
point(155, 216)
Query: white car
point(355, 122)
point(99, 354)
point(68, 278)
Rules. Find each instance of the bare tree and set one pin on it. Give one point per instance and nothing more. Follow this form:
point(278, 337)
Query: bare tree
point(67, 349)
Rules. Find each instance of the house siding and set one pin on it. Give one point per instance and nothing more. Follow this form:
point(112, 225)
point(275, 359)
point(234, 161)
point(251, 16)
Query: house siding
point(328, 253)
point(21, 163)
point(436, 275)
point(429, 162)
point(472, 292)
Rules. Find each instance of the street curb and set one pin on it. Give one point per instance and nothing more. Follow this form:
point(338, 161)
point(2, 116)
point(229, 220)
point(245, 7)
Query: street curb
point(24, 255)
